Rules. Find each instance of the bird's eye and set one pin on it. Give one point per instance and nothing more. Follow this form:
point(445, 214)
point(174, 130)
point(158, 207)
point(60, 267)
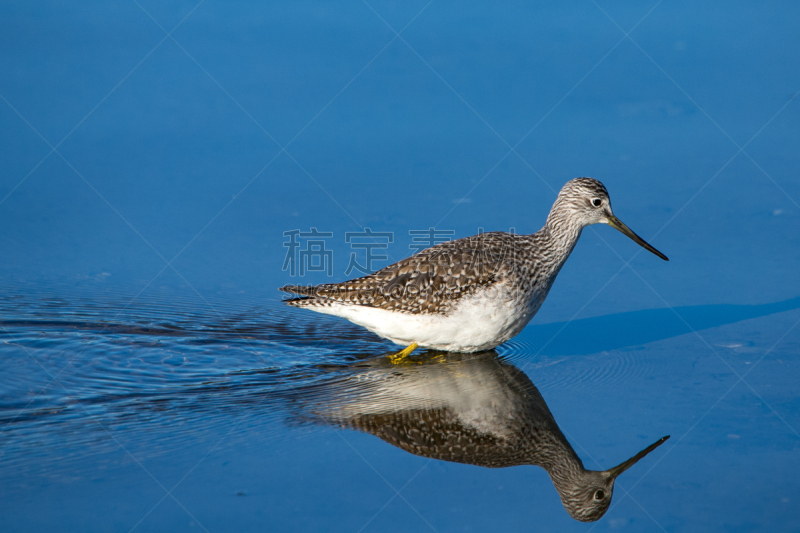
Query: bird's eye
point(599, 495)
point(597, 202)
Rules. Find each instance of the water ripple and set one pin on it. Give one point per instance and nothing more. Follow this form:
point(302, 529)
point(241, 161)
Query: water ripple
point(78, 368)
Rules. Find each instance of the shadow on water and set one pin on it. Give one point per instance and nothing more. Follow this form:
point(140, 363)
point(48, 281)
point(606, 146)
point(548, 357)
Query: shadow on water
point(280, 324)
point(610, 332)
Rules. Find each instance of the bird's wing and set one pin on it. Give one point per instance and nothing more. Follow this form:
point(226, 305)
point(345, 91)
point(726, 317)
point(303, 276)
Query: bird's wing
point(430, 281)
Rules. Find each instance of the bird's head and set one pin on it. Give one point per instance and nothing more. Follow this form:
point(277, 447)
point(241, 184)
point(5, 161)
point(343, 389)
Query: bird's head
point(585, 201)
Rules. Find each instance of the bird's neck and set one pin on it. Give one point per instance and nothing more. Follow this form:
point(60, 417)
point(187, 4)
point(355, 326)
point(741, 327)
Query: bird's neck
point(561, 226)
point(559, 235)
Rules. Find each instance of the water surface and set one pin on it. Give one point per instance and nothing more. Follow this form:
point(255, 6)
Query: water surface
point(150, 378)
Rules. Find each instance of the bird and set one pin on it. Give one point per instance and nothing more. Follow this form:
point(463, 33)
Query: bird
point(470, 294)
point(475, 409)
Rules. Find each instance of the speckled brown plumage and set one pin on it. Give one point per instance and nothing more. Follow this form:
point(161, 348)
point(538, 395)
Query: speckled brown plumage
point(430, 281)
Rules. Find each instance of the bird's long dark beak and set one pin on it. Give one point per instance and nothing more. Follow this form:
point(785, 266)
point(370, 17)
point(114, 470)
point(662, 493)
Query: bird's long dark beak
point(617, 470)
point(616, 223)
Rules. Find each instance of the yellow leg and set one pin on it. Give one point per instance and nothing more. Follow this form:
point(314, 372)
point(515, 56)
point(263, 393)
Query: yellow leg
point(401, 355)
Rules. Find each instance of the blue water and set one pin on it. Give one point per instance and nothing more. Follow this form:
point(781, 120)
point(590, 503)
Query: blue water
point(149, 375)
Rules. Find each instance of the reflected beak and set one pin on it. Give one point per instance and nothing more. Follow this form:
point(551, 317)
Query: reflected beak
point(617, 470)
point(616, 223)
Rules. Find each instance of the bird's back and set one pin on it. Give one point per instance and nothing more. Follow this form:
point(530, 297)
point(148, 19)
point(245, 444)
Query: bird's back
point(432, 281)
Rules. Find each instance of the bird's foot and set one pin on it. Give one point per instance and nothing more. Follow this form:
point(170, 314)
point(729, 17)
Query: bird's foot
point(400, 356)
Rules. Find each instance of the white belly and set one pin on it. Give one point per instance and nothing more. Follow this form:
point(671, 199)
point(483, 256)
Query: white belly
point(480, 322)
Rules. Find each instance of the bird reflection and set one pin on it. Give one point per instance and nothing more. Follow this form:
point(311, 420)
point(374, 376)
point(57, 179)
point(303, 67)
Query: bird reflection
point(475, 409)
